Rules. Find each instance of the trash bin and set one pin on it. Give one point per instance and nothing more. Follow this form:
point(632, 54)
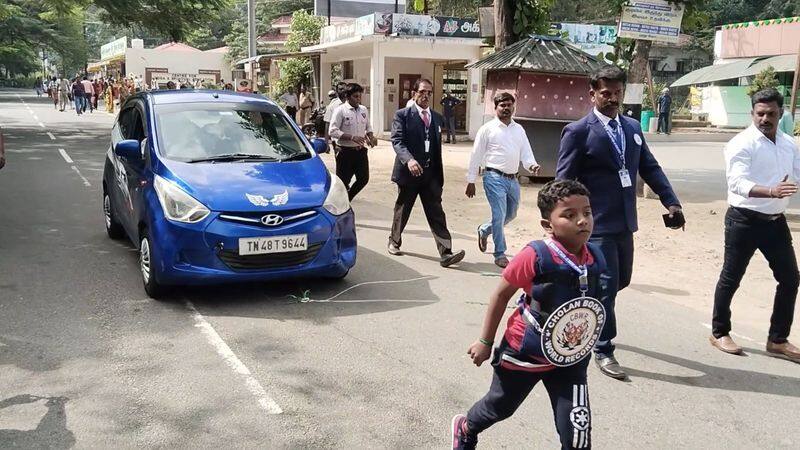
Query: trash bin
point(645, 122)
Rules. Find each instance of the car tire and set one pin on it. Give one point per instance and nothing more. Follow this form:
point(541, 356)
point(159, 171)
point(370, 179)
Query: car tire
point(340, 276)
point(113, 227)
point(152, 287)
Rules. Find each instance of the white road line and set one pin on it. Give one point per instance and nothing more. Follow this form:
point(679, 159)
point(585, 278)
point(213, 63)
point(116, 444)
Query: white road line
point(255, 388)
point(65, 156)
point(35, 117)
point(41, 124)
point(50, 135)
point(736, 335)
point(85, 181)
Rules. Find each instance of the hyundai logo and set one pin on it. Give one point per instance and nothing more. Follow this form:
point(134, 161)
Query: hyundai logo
point(272, 220)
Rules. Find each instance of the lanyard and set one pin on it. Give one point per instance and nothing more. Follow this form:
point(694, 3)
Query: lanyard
point(583, 276)
point(620, 152)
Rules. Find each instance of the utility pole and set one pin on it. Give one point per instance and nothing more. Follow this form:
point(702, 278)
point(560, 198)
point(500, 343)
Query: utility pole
point(251, 28)
point(794, 84)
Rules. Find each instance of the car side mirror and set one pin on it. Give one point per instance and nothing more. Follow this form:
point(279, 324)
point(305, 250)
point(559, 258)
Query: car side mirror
point(320, 146)
point(128, 149)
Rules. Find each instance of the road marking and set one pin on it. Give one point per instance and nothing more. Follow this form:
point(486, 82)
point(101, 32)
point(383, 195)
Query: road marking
point(50, 135)
point(35, 117)
point(65, 156)
point(736, 335)
point(255, 388)
point(85, 181)
point(41, 125)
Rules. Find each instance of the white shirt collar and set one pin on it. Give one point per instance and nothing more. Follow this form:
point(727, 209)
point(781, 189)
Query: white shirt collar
point(756, 135)
point(419, 109)
point(499, 123)
point(604, 118)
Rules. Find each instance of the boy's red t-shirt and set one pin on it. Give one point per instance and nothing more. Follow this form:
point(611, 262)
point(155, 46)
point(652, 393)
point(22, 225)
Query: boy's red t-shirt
point(520, 273)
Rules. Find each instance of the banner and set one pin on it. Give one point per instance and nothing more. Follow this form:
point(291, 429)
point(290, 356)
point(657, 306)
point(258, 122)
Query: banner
point(592, 39)
point(357, 8)
point(113, 48)
point(362, 26)
point(416, 25)
point(651, 20)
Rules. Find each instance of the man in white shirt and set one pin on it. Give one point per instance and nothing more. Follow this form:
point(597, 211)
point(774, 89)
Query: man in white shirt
point(353, 133)
point(337, 98)
point(500, 145)
point(88, 89)
point(289, 99)
point(762, 168)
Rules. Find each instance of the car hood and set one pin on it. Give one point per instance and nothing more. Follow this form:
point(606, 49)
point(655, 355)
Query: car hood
point(253, 186)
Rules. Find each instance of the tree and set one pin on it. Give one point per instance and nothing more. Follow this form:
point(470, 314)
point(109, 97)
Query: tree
point(763, 80)
point(304, 32)
point(174, 18)
point(515, 20)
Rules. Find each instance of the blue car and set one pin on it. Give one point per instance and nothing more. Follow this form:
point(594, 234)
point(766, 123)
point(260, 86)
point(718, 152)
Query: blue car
point(217, 187)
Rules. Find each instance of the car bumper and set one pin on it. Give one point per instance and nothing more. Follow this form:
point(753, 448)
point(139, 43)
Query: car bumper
point(207, 253)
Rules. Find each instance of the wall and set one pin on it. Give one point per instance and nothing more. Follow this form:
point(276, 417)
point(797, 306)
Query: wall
point(136, 60)
point(727, 106)
point(763, 40)
point(396, 66)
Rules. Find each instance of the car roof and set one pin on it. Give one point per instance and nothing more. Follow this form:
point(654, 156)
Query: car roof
point(163, 97)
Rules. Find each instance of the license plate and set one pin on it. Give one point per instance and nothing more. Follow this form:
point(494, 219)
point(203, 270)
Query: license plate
point(273, 244)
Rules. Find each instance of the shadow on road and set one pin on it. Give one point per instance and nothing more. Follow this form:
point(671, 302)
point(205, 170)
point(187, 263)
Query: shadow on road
point(716, 377)
point(377, 283)
point(653, 289)
point(51, 432)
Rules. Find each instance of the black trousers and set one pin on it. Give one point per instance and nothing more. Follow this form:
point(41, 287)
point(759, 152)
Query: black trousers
point(352, 162)
point(663, 123)
point(292, 112)
point(569, 398)
point(430, 193)
point(618, 252)
point(743, 236)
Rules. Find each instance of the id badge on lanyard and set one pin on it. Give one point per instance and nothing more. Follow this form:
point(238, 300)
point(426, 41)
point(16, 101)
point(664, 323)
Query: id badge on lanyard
point(624, 175)
point(427, 140)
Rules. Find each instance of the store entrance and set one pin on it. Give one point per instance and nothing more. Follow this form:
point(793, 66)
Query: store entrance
point(454, 80)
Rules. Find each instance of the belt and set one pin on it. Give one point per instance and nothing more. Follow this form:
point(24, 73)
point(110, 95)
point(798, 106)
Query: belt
point(510, 176)
point(755, 215)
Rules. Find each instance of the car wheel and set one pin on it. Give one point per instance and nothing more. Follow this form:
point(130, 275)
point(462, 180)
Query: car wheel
point(340, 276)
point(151, 285)
point(113, 228)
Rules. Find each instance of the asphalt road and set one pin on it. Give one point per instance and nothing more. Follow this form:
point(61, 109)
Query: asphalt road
point(86, 360)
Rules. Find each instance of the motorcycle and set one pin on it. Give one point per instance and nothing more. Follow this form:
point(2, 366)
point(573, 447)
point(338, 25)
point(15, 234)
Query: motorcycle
point(315, 125)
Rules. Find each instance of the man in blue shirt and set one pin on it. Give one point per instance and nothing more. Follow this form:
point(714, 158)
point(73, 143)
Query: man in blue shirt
point(605, 151)
point(448, 103)
point(664, 107)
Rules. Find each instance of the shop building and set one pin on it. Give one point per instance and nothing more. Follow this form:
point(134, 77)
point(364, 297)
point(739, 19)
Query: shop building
point(387, 53)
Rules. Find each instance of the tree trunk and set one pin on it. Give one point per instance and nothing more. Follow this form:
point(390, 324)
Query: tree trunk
point(641, 55)
point(503, 23)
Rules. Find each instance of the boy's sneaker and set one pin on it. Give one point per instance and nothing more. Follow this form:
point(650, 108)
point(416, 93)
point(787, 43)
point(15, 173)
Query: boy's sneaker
point(460, 441)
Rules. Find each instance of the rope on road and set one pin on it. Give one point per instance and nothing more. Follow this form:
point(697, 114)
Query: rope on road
point(306, 299)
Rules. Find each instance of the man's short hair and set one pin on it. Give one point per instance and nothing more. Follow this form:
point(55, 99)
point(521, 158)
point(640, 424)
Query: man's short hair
point(767, 95)
point(353, 88)
point(419, 82)
point(557, 190)
point(607, 73)
point(503, 97)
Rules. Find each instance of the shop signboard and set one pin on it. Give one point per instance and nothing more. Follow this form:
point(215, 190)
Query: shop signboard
point(362, 26)
point(651, 20)
point(592, 39)
point(114, 48)
point(417, 25)
point(356, 8)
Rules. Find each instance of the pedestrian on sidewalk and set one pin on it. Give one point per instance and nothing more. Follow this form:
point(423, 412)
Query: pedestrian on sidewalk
point(108, 96)
point(52, 91)
point(449, 103)
point(606, 151)
point(353, 133)
point(664, 109)
point(97, 89)
point(63, 93)
point(78, 95)
point(306, 105)
point(289, 99)
point(337, 99)
point(38, 86)
point(419, 172)
point(547, 338)
point(500, 146)
point(762, 167)
point(88, 88)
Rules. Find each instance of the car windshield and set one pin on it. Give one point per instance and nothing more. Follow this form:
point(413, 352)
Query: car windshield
point(199, 132)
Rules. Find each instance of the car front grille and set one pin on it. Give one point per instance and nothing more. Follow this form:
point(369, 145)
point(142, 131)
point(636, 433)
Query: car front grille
point(270, 260)
point(254, 218)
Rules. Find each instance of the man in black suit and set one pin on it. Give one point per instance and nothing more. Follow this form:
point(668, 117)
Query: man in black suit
point(606, 151)
point(419, 172)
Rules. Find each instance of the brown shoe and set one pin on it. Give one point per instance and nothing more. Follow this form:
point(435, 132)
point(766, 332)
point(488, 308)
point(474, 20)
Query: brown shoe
point(785, 350)
point(726, 344)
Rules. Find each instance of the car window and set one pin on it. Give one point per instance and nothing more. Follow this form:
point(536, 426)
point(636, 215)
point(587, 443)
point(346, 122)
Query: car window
point(198, 130)
point(136, 126)
point(124, 121)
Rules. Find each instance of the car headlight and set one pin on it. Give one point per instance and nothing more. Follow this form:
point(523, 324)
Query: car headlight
point(337, 201)
point(177, 204)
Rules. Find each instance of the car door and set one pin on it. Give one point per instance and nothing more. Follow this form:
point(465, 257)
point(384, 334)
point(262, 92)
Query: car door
point(118, 185)
point(134, 171)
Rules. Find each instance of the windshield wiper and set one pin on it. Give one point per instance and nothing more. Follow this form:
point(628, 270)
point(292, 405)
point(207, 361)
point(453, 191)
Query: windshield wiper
point(297, 156)
point(233, 157)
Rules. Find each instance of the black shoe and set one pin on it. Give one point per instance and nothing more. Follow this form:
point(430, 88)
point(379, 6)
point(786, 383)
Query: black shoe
point(394, 249)
point(610, 367)
point(482, 241)
point(448, 259)
point(447, 141)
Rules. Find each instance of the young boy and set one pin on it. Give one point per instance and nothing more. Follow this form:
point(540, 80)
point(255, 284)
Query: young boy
point(550, 335)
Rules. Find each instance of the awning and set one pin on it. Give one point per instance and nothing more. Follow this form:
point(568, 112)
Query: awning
point(272, 56)
point(742, 68)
